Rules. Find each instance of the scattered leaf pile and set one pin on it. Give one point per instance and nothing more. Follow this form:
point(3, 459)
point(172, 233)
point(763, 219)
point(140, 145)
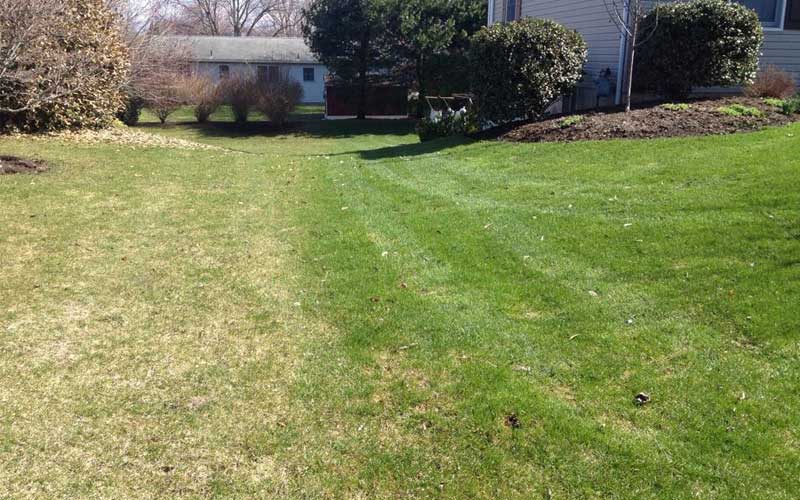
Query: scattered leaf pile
point(125, 137)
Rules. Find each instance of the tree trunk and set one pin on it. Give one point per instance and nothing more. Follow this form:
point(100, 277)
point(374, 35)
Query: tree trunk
point(421, 87)
point(363, 78)
point(629, 64)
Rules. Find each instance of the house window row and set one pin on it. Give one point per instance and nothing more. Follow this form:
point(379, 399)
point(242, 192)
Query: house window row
point(268, 73)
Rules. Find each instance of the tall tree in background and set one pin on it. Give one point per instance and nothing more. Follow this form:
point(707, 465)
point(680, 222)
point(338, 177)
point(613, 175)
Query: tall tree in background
point(429, 40)
point(347, 36)
point(237, 17)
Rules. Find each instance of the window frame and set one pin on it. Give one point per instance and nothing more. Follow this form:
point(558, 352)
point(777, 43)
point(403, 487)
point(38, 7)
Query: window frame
point(224, 71)
point(313, 71)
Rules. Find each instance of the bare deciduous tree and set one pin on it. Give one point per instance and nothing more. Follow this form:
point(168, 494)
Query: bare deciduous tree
point(238, 17)
point(627, 15)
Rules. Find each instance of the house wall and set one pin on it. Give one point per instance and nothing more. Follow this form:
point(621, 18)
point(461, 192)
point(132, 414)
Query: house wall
point(313, 92)
point(588, 17)
point(782, 48)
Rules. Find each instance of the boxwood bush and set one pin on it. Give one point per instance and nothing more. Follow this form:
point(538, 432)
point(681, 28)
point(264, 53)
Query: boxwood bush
point(520, 68)
point(704, 43)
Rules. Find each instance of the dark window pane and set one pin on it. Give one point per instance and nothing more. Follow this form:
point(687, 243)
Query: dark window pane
point(224, 71)
point(308, 74)
point(767, 10)
point(511, 10)
point(792, 21)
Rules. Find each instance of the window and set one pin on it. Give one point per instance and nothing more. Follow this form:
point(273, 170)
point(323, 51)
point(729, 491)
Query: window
point(792, 19)
point(513, 9)
point(224, 72)
point(269, 73)
point(308, 75)
point(769, 11)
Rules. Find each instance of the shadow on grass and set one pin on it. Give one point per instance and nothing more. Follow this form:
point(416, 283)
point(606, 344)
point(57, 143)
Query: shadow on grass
point(321, 129)
point(410, 150)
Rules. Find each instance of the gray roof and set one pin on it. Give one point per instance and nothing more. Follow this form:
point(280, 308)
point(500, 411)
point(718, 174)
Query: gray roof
point(246, 49)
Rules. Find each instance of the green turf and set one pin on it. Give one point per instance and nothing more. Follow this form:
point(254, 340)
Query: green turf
point(335, 310)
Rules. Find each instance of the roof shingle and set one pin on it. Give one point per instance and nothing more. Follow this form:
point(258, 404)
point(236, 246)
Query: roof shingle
point(246, 49)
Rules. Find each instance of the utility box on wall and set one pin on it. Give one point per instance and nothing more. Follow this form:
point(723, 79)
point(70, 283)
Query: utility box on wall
point(383, 101)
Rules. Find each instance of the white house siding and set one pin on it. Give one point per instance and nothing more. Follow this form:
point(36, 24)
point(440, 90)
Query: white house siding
point(588, 17)
point(313, 92)
point(782, 48)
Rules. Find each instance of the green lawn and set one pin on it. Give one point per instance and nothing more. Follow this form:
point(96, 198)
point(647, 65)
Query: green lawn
point(336, 310)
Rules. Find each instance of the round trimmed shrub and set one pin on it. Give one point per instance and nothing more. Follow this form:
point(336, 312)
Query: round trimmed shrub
point(131, 111)
point(520, 68)
point(705, 43)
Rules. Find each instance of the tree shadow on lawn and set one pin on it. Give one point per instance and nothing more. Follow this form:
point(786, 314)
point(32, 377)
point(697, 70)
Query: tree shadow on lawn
point(302, 125)
point(410, 150)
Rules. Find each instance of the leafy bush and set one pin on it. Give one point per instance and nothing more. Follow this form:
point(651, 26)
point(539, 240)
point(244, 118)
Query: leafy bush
point(131, 111)
point(791, 106)
point(447, 124)
point(242, 93)
point(279, 97)
point(672, 106)
point(202, 93)
point(520, 68)
point(698, 44)
point(570, 121)
point(740, 110)
point(771, 101)
point(772, 82)
point(63, 65)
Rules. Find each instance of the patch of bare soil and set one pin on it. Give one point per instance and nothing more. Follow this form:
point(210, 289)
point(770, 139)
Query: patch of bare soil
point(701, 117)
point(14, 165)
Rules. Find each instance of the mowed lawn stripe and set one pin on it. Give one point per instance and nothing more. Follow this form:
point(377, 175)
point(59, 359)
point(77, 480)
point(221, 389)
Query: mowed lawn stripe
point(412, 205)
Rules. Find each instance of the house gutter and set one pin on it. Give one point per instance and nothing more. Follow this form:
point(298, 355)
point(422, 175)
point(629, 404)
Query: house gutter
point(623, 55)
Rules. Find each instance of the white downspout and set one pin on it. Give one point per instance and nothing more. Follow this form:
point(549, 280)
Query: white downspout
point(623, 55)
point(490, 20)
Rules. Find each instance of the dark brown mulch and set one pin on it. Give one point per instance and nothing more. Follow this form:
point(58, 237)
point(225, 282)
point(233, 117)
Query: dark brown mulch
point(650, 121)
point(14, 165)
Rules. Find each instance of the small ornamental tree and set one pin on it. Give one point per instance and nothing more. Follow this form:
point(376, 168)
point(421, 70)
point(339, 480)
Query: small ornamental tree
point(200, 92)
point(62, 64)
point(520, 68)
point(241, 92)
point(704, 43)
point(279, 97)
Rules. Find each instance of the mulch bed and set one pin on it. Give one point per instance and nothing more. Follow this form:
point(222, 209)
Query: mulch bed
point(14, 165)
point(648, 122)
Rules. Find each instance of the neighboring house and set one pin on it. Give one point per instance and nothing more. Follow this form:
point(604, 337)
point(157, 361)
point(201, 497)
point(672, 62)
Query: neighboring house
point(221, 57)
point(781, 20)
